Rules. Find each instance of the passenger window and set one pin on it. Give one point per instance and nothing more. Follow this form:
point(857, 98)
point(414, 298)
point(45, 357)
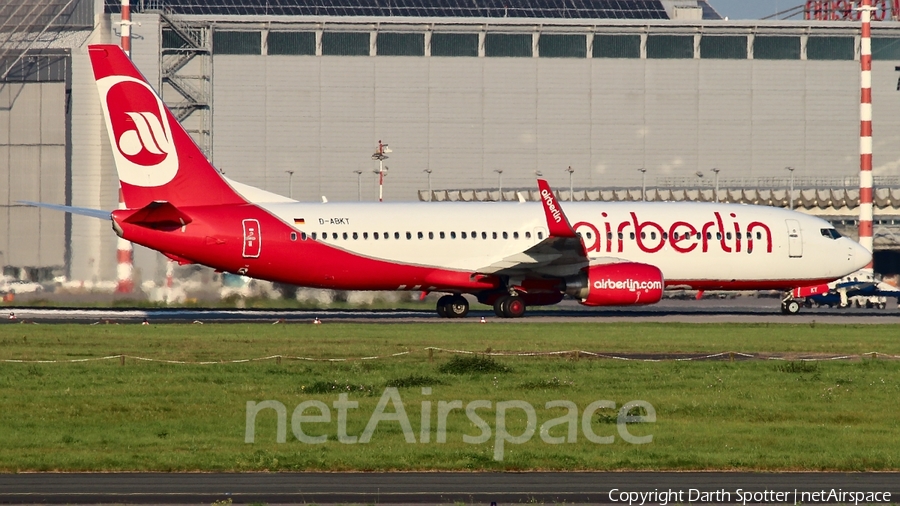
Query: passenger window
point(355, 236)
point(621, 236)
point(484, 235)
point(698, 236)
point(408, 236)
point(515, 235)
point(589, 235)
point(631, 235)
point(345, 236)
point(431, 235)
point(759, 235)
point(652, 235)
point(674, 236)
point(540, 235)
point(453, 235)
point(665, 236)
point(708, 236)
point(728, 235)
point(494, 235)
point(474, 235)
point(528, 235)
point(442, 235)
point(302, 236)
point(375, 236)
point(293, 236)
point(718, 236)
point(419, 235)
point(365, 235)
point(396, 235)
point(505, 235)
point(334, 235)
point(462, 234)
point(313, 236)
point(609, 236)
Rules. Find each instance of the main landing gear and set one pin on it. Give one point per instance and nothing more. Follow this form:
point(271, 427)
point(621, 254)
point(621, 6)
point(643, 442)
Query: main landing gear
point(509, 306)
point(452, 306)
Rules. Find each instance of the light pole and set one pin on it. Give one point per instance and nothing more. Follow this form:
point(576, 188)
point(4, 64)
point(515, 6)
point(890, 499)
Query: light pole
point(290, 174)
point(381, 156)
point(428, 172)
point(358, 185)
point(716, 171)
point(643, 184)
point(791, 194)
point(499, 183)
point(571, 171)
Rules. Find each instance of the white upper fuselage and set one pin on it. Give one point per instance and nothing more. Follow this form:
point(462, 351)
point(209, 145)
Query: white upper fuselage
point(735, 245)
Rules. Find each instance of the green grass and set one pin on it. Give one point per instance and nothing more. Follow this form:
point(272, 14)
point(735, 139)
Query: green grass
point(754, 415)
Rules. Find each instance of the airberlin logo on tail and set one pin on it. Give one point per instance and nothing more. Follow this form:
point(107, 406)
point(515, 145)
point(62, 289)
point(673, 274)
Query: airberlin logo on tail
point(139, 131)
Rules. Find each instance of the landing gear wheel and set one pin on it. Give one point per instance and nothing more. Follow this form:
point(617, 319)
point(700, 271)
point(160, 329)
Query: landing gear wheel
point(442, 305)
point(514, 307)
point(790, 307)
point(458, 307)
point(499, 306)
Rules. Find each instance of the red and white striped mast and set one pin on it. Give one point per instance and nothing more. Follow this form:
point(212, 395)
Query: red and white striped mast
point(865, 131)
point(124, 249)
point(381, 156)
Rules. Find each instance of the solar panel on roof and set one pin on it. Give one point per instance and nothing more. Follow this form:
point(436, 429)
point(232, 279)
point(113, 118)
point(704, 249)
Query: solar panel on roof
point(584, 9)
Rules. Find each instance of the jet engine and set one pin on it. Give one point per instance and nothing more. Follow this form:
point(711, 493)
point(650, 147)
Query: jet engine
point(617, 284)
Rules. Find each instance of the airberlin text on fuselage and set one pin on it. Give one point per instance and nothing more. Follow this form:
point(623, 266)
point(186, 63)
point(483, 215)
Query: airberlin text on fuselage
point(723, 234)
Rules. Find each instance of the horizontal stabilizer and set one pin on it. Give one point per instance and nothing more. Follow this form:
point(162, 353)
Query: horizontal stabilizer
point(157, 214)
point(83, 211)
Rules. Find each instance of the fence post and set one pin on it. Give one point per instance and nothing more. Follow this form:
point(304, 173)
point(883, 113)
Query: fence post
point(431, 354)
point(121, 359)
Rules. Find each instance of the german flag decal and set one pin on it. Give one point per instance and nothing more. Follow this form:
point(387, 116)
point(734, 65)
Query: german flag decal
point(299, 221)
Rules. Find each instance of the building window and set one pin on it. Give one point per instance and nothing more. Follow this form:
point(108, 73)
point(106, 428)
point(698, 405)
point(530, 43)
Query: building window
point(345, 43)
point(723, 47)
point(670, 46)
point(293, 43)
point(237, 42)
point(830, 48)
point(507, 44)
point(776, 48)
point(401, 44)
point(454, 44)
point(617, 46)
point(562, 46)
point(885, 48)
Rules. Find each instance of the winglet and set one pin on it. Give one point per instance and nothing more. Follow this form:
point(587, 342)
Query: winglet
point(557, 223)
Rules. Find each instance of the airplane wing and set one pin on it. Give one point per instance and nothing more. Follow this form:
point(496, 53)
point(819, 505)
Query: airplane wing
point(561, 254)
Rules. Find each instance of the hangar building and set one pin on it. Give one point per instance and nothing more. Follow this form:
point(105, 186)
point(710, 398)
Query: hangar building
point(294, 97)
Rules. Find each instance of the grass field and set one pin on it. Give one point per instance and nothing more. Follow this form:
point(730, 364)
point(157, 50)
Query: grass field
point(766, 415)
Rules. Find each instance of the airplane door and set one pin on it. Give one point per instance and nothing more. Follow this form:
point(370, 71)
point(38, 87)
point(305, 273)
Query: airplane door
point(795, 240)
point(252, 238)
point(539, 234)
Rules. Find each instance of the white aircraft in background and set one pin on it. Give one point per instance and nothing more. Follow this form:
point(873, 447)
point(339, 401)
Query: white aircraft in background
point(509, 255)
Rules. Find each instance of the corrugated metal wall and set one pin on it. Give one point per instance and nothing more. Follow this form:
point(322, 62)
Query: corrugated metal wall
point(32, 167)
point(464, 118)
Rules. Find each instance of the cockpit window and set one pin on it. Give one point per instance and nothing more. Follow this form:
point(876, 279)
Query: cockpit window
point(831, 233)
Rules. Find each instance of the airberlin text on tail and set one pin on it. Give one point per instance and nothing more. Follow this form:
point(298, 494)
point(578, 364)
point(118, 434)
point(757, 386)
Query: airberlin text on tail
point(155, 157)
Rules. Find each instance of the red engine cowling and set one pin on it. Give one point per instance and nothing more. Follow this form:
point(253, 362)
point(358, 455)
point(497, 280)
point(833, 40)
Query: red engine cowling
point(619, 284)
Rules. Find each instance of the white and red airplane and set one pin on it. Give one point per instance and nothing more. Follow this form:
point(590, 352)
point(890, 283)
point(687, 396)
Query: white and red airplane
point(509, 255)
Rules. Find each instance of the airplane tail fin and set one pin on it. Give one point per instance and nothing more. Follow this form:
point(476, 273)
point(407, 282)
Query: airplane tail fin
point(155, 157)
